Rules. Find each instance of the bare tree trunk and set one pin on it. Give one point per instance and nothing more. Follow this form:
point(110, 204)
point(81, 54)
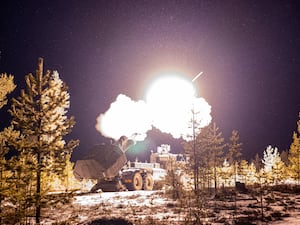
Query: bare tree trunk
point(261, 202)
point(38, 191)
point(38, 172)
point(215, 174)
point(1, 197)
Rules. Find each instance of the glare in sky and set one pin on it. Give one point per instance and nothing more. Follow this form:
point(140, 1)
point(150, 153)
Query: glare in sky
point(171, 100)
point(169, 106)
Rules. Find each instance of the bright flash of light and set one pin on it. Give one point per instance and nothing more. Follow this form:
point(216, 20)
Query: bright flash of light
point(171, 105)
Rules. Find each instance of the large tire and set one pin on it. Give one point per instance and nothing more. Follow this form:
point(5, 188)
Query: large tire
point(137, 182)
point(148, 182)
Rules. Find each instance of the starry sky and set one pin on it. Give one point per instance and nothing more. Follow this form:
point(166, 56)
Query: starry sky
point(249, 52)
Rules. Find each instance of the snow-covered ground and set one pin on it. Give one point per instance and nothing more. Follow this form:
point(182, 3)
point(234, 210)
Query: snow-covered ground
point(140, 207)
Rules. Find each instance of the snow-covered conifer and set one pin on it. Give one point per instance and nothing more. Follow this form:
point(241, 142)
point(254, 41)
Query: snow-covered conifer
point(273, 164)
point(39, 113)
point(294, 155)
point(270, 155)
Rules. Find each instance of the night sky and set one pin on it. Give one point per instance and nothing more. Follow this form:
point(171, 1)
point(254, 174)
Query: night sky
point(249, 52)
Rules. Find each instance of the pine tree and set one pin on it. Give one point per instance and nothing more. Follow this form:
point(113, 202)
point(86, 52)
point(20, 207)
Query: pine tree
point(251, 175)
point(294, 155)
point(202, 149)
point(216, 146)
point(257, 163)
point(21, 184)
point(195, 149)
point(198, 151)
point(226, 172)
point(234, 148)
point(66, 183)
point(234, 151)
point(6, 86)
point(284, 155)
point(278, 169)
point(262, 178)
point(243, 170)
point(39, 113)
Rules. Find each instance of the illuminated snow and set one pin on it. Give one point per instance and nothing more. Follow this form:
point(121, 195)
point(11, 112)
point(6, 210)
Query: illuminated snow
point(117, 198)
point(138, 205)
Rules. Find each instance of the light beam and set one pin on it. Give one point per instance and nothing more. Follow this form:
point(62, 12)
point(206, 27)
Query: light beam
point(196, 77)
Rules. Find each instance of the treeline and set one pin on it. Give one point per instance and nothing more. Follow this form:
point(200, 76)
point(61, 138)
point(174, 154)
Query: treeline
point(214, 174)
point(33, 151)
point(214, 163)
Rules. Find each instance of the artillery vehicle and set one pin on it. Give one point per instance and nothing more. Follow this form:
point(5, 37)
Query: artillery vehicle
point(106, 164)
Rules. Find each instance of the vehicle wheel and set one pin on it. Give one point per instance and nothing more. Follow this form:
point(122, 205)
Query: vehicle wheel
point(137, 182)
point(148, 182)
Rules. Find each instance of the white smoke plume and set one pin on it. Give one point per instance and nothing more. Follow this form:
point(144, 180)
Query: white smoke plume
point(131, 118)
point(125, 117)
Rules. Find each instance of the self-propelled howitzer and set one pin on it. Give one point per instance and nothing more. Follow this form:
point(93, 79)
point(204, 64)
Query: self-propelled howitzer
point(105, 163)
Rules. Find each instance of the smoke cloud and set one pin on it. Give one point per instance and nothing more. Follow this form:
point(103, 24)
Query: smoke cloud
point(125, 117)
point(134, 118)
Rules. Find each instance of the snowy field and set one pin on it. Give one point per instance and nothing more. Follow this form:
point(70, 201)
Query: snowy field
point(152, 207)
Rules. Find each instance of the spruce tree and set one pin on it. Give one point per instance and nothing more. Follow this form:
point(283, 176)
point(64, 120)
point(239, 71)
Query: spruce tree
point(234, 151)
point(39, 113)
point(294, 155)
